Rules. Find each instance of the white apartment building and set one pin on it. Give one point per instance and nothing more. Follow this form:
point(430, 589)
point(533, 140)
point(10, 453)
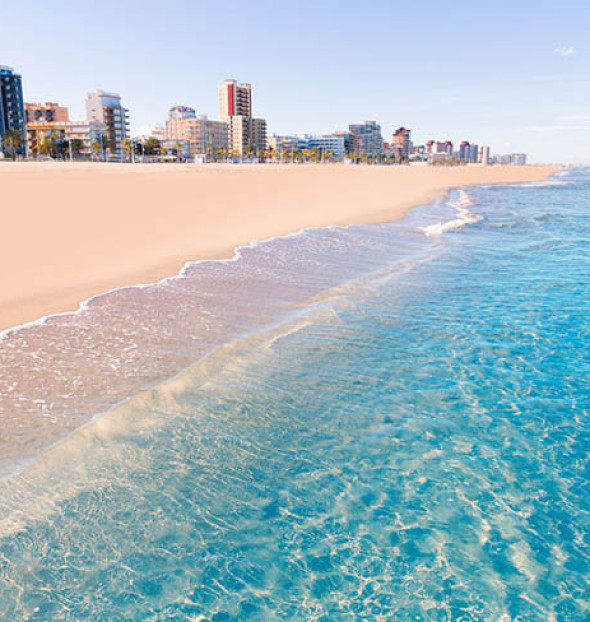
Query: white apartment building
point(106, 108)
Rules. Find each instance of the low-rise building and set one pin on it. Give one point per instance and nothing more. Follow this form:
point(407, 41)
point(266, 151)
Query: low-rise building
point(509, 159)
point(86, 137)
point(334, 144)
point(43, 137)
point(76, 139)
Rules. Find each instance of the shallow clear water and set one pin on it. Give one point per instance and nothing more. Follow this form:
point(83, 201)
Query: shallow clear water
point(396, 430)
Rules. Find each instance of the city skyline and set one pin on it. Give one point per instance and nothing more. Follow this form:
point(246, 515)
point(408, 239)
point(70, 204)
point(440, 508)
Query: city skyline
point(105, 133)
point(514, 78)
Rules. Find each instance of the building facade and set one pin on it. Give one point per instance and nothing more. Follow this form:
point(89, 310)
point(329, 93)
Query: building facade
point(334, 144)
point(106, 109)
point(468, 152)
point(88, 135)
point(43, 137)
point(235, 100)
point(509, 159)
point(49, 112)
point(12, 110)
point(371, 140)
point(246, 135)
point(202, 135)
point(75, 139)
point(401, 144)
point(439, 151)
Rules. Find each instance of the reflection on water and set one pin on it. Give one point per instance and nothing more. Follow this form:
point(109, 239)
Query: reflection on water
point(411, 446)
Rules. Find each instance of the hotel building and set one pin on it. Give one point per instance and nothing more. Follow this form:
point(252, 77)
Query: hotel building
point(336, 144)
point(234, 100)
point(106, 109)
point(12, 111)
point(246, 135)
point(483, 156)
point(45, 121)
point(203, 135)
point(371, 140)
point(468, 152)
point(401, 144)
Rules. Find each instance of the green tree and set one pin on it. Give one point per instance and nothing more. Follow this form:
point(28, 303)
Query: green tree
point(13, 141)
point(152, 146)
point(46, 145)
point(127, 146)
point(96, 147)
point(76, 145)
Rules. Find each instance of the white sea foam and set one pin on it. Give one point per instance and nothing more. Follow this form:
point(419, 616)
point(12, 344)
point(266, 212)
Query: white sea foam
point(548, 183)
point(464, 217)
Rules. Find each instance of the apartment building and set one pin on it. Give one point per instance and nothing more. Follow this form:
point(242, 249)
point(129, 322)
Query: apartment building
point(106, 109)
point(246, 135)
point(49, 112)
point(401, 144)
point(12, 111)
point(371, 139)
point(234, 100)
point(203, 135)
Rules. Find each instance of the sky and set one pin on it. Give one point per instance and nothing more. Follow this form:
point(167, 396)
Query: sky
point(512, 74)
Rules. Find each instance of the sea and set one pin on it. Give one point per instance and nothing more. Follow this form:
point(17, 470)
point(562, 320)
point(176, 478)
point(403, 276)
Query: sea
point(372, 422)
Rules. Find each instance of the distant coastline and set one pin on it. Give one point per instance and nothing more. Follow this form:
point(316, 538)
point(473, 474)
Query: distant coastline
point(75, 230)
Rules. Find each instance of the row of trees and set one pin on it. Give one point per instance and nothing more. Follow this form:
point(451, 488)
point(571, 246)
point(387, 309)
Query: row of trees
point(102, 147)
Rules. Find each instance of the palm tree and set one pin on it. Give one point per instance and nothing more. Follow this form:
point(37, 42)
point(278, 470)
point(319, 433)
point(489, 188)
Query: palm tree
point(46, 146)
point(222, 153)
point(96, 147)
point(13, 140)
point(76, 146)
point(127, 146)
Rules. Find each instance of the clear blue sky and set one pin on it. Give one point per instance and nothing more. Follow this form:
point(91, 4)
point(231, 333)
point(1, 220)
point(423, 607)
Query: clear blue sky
point(514, 74)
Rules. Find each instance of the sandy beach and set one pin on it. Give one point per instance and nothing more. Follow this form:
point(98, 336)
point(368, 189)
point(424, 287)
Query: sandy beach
point(71, 231)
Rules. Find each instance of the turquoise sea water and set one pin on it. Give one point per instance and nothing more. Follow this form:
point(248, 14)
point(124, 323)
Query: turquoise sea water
point(385, 425)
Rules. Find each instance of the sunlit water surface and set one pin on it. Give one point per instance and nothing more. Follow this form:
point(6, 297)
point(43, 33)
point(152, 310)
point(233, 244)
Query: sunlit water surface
point(396, 428)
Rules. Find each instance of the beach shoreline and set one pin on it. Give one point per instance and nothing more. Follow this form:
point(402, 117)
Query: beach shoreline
point(73, 231)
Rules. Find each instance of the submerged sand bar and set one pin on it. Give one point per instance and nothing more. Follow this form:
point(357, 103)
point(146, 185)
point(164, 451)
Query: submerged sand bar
point(71, 231)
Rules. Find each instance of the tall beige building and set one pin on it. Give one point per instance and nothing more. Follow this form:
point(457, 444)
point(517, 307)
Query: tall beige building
point(246, 135)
